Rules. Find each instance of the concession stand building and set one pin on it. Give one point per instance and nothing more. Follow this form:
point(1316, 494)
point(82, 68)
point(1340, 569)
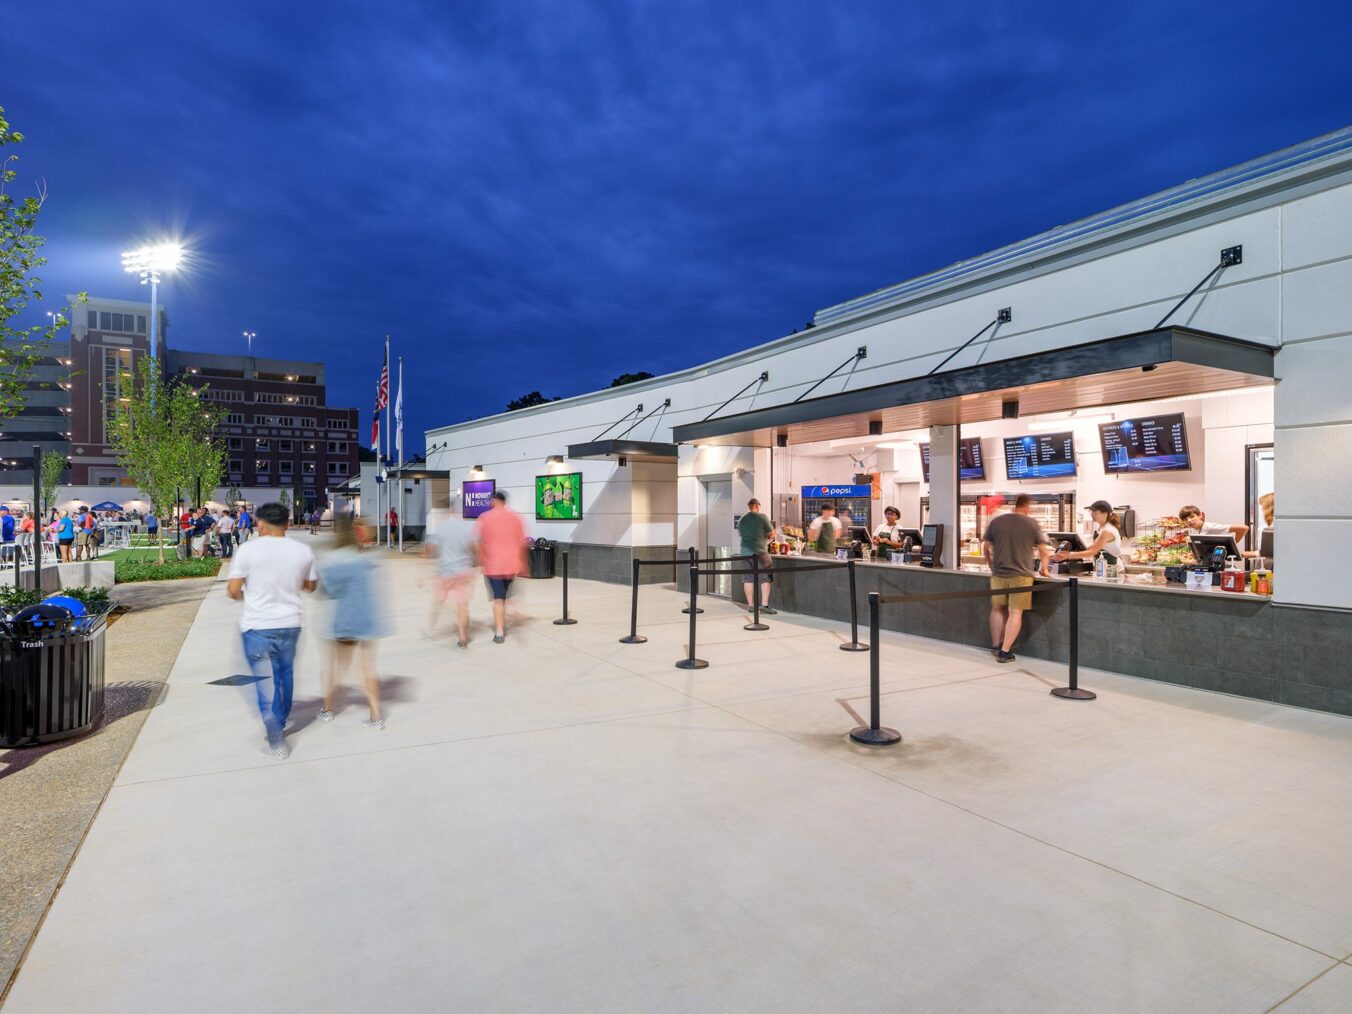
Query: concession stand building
point(1191, 348)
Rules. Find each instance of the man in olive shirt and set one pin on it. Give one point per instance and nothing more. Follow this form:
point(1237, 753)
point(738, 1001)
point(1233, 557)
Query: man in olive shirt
point(755, 529)
point(1010, 542)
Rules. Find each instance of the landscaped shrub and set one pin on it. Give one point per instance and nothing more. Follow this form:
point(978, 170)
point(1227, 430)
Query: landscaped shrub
point(145, 570)
point(89, 596)
point(13, 599)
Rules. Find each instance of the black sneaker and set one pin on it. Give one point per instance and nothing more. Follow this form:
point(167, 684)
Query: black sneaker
point(769, 610)
point(995, 649)
point(1004, 656)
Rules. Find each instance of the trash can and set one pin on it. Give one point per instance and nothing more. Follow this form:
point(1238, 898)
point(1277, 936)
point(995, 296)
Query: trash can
point(51, 675)
point(541, 553)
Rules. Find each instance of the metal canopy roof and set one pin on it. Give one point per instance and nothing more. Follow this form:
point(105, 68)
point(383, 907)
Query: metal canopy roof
point(633, 450)
point(1144, 366)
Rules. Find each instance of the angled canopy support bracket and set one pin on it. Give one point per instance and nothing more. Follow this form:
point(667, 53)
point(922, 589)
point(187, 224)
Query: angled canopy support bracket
point(859, 353)
point(1002, 317)
point(1230, 256)
point(665, 404)
point(764, 376)
point(617, 422)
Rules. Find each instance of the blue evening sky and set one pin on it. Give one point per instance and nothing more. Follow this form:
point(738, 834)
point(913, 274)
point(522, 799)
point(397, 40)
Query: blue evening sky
point(544, 195)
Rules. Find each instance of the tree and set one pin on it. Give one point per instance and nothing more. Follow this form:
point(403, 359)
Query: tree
point(527, 400)
point(233, 495)
point(163, 434)
point(284, 498)
point(53, 465)
point(20, 347)
point(630, 378)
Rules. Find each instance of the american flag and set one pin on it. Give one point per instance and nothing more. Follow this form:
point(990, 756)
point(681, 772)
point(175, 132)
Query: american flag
point(382, 398)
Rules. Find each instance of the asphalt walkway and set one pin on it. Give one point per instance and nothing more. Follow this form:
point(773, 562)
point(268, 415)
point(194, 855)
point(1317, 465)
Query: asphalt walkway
point(567, 823)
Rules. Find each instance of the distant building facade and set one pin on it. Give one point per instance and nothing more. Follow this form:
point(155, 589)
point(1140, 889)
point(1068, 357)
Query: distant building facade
point(278, 428)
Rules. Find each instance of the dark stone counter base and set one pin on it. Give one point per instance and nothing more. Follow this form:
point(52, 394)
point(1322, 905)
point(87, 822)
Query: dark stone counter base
point(589, 562)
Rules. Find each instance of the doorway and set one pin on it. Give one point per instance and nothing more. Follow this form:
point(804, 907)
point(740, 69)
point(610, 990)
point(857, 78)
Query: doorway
point(718, 531)
point(1259, 473)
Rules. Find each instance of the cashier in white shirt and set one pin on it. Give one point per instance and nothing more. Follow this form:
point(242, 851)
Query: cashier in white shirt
point(1107, 539)
point(888, 535)
point(1197, 523)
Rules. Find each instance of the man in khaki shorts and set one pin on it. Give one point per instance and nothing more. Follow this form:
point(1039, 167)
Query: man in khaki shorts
point(1009, 545)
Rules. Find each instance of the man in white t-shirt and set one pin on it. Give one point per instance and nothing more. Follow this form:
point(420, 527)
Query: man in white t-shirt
point(268, 575)
point(225, 533)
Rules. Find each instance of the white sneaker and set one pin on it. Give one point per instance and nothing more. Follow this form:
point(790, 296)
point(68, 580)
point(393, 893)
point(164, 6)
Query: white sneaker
point(374, 723)
point(276, 752)
point(326, 716)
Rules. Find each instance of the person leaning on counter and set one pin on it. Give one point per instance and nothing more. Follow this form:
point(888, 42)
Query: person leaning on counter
point(887, 536)
point(1107, 540)
point(1196, 521)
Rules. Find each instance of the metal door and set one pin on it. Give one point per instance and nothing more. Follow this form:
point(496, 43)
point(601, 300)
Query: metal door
point(720, 538)
point(1259, 469)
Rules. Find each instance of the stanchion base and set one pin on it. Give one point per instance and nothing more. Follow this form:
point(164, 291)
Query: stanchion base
point(692, 663)
point(875, 737)
point(566, 621)
point(854, 646)
point(755, 626)
point(633, 639)
point(1074, 694)
point(686, 610)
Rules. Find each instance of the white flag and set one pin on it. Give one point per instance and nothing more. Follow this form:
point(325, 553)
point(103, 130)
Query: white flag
point(399, 412)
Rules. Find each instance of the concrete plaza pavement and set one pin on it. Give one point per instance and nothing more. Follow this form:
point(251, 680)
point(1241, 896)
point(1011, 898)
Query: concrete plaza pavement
point(568, 823)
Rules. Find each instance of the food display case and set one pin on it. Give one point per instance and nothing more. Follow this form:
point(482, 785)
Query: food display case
point(1055, 512)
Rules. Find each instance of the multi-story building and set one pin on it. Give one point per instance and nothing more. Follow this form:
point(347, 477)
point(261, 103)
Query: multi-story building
point(279, 431)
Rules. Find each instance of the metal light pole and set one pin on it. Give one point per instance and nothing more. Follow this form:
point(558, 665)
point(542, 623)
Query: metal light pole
point(250, 335)
point(148, 261)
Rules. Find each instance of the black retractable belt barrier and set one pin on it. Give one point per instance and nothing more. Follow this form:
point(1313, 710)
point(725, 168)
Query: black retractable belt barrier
point(634, 637)
point(694, 559)
point(690, 661)
point(565, 619)
point(853, 644)
point(755, 623)
point(874, 734)
point(1073, 692)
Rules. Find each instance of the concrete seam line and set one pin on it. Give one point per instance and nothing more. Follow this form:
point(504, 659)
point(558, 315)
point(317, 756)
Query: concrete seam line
point(1302, 987)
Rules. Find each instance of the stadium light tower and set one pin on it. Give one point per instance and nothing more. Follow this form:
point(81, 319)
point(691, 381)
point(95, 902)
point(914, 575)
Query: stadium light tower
point(149, 261)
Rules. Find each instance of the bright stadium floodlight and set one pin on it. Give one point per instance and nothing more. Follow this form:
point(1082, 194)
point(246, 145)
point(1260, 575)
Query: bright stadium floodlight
point(149, 261)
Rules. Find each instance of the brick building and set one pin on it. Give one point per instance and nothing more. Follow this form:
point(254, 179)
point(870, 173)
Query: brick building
point(280, 433)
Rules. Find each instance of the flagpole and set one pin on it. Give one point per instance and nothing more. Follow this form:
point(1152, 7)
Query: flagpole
point(389, 501)
point(399, 442)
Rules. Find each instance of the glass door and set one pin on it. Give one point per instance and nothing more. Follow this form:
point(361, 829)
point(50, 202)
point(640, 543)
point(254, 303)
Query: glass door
point(720, 533)
point(1259, 470)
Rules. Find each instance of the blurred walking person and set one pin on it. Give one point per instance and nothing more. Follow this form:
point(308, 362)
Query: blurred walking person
point(453, 547)
point(268, 575)
point(347, 576)
point(502, 554)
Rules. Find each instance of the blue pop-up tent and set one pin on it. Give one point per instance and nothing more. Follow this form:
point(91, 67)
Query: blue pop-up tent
point(107, 505)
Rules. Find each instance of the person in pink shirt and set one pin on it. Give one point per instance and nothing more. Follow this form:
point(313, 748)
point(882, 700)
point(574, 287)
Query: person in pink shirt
point(502, 556)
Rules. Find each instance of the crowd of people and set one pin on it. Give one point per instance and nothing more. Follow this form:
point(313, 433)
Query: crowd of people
point(271, 574)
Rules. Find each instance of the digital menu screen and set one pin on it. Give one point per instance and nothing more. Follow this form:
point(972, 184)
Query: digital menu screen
point(1040, 456)
point(1151, 444)
point(970, 463)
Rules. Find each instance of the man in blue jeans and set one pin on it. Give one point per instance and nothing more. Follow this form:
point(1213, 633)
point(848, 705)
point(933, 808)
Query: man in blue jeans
point(268, 574)
point(7, 534)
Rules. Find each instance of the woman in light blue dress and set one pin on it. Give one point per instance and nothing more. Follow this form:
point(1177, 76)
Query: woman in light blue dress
point(348, 578)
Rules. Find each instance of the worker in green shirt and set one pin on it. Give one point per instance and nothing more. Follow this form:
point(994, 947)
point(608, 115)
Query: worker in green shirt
point(755, 529)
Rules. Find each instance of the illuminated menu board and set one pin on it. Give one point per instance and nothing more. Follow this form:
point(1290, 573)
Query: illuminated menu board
point(970, 463)
point(1152, 444)
point(1040, 456)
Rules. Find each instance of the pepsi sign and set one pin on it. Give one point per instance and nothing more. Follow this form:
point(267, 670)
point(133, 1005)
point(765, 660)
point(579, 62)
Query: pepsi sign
point(821, 492)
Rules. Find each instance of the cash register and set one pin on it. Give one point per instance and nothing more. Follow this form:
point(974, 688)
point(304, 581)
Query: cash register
point(1212, 551)
point(932, 546)
point(1063, 541)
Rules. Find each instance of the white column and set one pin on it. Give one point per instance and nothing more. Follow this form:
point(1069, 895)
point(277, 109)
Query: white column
point(943, 489)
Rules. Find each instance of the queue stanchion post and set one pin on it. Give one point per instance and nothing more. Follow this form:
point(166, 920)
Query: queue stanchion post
point(565, 619)
point(634, 637)
point(755, 623)
point(874, 734)
point(694, 561)
point(690, 661)
point(1073, 692)
point(854, 642)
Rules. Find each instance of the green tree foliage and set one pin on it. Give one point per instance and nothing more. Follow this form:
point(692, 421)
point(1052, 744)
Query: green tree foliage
point(20, 347)
point(164, 435)
point(53, 466)
point(631, 378)
point(527, 400)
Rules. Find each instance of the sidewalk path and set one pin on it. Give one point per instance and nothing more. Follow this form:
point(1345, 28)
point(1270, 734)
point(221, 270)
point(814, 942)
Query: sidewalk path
point(566, 823)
